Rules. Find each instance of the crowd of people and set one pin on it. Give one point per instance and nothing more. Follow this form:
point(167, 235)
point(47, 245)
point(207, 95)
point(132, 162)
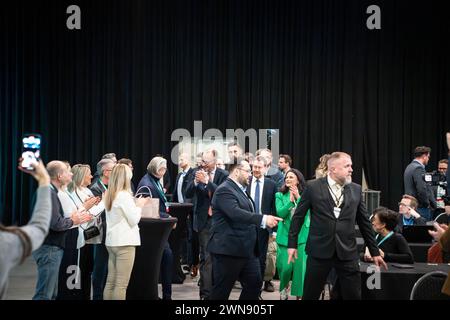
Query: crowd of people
point(251, 219)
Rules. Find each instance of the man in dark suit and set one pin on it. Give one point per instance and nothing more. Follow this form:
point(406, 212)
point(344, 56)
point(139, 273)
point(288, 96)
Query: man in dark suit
point(262, 191)
point(415, 184)
point(335, 203)
point(272, 170)
point(100, 270)
point(179, 195)
point(234, 236)
point(201, 185)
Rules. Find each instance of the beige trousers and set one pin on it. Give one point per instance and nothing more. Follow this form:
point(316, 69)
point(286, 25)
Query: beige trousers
point(120, 265)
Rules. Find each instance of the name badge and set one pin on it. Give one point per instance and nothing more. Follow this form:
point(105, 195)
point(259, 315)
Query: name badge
point(337, 212)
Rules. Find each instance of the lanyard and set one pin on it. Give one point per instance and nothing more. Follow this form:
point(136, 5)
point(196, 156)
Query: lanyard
point(408, 222)
point(100, 180)
point(161, 192)
point(385, 238)
point(71, 198)
point(336, 199)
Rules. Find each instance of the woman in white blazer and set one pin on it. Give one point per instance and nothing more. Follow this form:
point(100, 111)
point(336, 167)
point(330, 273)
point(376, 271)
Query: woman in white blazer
point(122, 231)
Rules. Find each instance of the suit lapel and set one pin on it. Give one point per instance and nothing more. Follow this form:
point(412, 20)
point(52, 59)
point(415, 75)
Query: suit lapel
point(242, 194)
point(347, 197)
point(326, 191)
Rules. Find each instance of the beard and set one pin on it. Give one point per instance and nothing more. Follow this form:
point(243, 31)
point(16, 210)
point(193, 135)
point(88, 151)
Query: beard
point(348, 180)
point(243, 181)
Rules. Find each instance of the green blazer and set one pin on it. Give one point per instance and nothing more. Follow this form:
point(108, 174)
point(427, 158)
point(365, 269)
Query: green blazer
point(284, 207)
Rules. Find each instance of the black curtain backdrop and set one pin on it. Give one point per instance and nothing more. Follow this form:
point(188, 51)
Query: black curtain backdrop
point(137, 70)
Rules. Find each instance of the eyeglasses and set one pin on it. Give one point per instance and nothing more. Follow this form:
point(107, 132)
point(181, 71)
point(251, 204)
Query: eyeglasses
point(248, 171)
point(400, 204)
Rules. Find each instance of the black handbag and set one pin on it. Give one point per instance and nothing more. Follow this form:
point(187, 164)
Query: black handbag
point(90, 232)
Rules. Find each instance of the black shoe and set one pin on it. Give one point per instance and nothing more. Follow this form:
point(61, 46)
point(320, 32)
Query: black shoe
point(268, 286)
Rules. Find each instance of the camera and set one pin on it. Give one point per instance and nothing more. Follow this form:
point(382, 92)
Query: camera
point(435, 178)
point(438, 183)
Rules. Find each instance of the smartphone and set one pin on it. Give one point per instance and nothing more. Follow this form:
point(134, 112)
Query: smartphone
point(31, 144)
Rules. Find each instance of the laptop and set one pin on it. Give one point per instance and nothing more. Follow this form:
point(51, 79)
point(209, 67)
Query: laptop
point(417, 234)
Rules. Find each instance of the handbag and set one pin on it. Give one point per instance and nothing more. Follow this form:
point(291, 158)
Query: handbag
point(151, 208)
point(91, 232)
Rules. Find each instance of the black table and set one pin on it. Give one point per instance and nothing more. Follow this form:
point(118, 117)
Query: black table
point(395, 283)
point(179, 211)
point(419, 250)
point(143, 283)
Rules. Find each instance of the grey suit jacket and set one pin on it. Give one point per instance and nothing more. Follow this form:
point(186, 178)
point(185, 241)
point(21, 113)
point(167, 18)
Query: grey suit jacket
point(416, 186)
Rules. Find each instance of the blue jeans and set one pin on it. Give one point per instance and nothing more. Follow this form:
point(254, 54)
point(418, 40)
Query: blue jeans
point(48, 259)
point(100, 271)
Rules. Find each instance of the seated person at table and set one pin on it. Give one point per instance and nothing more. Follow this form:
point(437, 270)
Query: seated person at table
point(393, 247)
point(408, 215)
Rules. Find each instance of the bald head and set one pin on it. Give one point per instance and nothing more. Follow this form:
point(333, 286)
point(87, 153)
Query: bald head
point(59, 173)
point(55, 168)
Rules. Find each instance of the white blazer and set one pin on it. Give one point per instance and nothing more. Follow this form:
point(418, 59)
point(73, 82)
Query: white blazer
point(122, 222)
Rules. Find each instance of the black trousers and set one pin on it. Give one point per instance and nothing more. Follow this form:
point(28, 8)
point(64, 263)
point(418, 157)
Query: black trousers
point(228, 269)
point(317, 271)
point(263, 241)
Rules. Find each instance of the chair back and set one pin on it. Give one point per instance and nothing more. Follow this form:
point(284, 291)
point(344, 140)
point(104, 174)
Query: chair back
point(429, 287)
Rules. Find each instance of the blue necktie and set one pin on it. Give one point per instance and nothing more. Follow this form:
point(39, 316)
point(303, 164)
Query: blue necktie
point(257, 195)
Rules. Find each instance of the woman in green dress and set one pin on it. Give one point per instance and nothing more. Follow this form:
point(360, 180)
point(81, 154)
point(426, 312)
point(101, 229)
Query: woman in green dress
point(286, 202)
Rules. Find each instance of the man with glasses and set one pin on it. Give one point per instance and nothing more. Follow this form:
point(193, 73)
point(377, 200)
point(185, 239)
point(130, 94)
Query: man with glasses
point(415, 184)
point(234, 236)
point(200, 186)
point(408, 214)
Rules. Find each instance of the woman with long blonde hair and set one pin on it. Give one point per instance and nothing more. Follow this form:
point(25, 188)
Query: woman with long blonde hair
point(122, 231)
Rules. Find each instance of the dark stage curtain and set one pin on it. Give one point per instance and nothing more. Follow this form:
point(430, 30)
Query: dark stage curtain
point(137, 70)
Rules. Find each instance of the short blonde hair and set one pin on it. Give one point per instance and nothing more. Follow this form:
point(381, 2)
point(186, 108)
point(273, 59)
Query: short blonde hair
point(119, 180)
point(336, 156)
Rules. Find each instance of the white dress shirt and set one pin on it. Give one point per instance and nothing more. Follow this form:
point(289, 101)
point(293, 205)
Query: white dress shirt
point(81, 195)
point(336, 191)
point(180, 186)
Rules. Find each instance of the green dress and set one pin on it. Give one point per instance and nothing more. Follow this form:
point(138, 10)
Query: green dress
point(294, 272)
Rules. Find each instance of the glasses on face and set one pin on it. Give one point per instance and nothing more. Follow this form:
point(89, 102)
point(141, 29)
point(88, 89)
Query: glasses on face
point(207, 162)
point(400, 204)
point(248, 170)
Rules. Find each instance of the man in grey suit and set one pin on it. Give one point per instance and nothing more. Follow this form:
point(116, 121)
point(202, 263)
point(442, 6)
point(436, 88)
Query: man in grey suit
point(415, 184)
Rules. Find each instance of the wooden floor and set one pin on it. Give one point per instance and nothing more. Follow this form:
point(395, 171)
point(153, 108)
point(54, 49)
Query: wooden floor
point(22, 282)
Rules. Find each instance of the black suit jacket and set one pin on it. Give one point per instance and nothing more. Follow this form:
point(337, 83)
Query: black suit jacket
point(183, 186)
point(234, 223)
point(276, 175)
point(328, 235)
point(200, 196)
point(416, 186)
point(268, 198)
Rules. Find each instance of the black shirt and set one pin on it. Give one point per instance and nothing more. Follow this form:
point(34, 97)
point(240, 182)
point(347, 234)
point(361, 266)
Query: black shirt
point(395, 249)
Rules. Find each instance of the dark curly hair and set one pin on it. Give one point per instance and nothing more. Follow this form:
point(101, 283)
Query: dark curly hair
point(301, 181)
